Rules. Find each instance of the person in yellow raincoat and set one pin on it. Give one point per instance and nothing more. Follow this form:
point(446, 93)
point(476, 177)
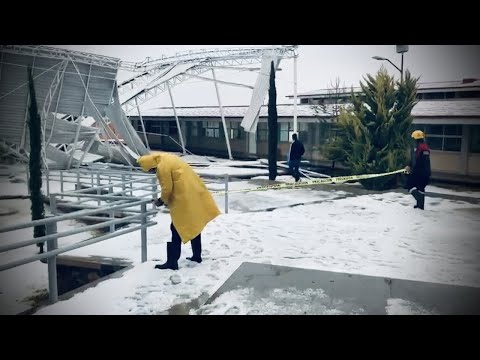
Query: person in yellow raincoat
point(191, 205)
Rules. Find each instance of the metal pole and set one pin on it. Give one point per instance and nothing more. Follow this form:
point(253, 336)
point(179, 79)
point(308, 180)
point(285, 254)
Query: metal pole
point(112, 226)
point(47, 175)
point(131, 185)
point(143, 125)
point(401, 71)
point(56, 106)
point(51, 228)
point(176, 118)
point(86, 149)
point(111, 213)
point(98, 190)
point(53, 204)
point(74, 146)
point(61, 183)
point(295, 125)
point(78, 183)
point(227, 138)
point(86, 89)
point(143, 232)
point(123, 182)
point(226, 193)
point(28, 177)
point(110, 188)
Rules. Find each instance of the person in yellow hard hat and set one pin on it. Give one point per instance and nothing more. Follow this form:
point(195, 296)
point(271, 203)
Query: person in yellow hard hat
point(419, 169)
point(191, 205)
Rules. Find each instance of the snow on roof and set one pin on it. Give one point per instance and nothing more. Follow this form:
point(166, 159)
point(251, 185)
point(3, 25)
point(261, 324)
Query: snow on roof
point(466, 84)
point(231, 111)
point(450, 85)
point(325, 92)
point(424, 108)
point(463, 108)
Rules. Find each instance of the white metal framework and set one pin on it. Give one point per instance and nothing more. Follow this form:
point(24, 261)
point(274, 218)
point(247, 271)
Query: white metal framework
point(62, 54)
point(66, 82)
point(157, 76)
point(201, 61)
point(72, 85)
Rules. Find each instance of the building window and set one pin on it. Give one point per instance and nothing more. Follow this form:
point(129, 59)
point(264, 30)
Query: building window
point(194, 128)
point(326, 133)
point(136, 124)
point(262, 131)
point(234, 130)
point(212, 129)
point(303, 132)
point(286, 131)
point(442, 137)
point(469, 94)
point(434, 96)
point(172, 128)
point(475, 139)
point(155, 127)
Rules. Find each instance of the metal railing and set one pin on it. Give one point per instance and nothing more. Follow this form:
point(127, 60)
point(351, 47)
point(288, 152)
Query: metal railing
point(92, 177)
point(118, 176)
point(115, 194)
point(129, 206)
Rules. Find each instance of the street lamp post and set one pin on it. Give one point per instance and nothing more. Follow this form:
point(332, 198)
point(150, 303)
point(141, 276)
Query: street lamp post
point(400, 49)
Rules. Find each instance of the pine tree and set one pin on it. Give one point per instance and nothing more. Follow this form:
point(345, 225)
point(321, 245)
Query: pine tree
point(373, 134)
point(35, 179)
point(272, 126)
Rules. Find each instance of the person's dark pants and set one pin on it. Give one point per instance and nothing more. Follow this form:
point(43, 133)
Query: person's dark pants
point(295, 169)
point(177, 243)
point(416, 187)
point(174, 249)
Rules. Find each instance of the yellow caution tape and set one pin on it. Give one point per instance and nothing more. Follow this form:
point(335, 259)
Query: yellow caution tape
point(332, 180)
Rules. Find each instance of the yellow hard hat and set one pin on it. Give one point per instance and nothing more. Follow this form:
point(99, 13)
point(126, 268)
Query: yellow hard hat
point(418, 134)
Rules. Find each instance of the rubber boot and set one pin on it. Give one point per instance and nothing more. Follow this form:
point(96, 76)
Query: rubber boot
point(421, 200)
point(172, 260)
point(196, 249)
point(415, 193)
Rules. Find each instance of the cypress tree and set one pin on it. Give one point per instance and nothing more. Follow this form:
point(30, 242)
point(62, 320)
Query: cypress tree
point(272, 126)
point(35, 162)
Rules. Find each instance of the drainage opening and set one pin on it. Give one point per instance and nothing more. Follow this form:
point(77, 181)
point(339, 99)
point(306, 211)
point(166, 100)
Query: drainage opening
point(75, 272)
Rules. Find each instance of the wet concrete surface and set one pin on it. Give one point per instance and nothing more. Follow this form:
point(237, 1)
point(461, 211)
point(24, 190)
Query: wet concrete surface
point(349, 293)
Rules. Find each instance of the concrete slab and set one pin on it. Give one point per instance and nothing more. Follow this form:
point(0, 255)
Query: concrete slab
point(290, 290)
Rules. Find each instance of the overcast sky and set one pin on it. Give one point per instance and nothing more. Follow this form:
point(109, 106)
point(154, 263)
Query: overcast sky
point(318, 65)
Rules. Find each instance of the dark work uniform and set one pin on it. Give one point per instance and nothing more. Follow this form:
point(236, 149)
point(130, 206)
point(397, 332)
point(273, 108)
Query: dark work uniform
point(295, 157)
point(420, 175)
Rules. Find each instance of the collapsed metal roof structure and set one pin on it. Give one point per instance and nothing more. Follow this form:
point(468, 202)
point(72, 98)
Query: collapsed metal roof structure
point(84, 108)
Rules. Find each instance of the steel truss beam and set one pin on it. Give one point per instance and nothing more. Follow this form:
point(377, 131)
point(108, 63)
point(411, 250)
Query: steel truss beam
point(221, 59)
point(148, 94)
point(239, 54)
point(56, 53)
